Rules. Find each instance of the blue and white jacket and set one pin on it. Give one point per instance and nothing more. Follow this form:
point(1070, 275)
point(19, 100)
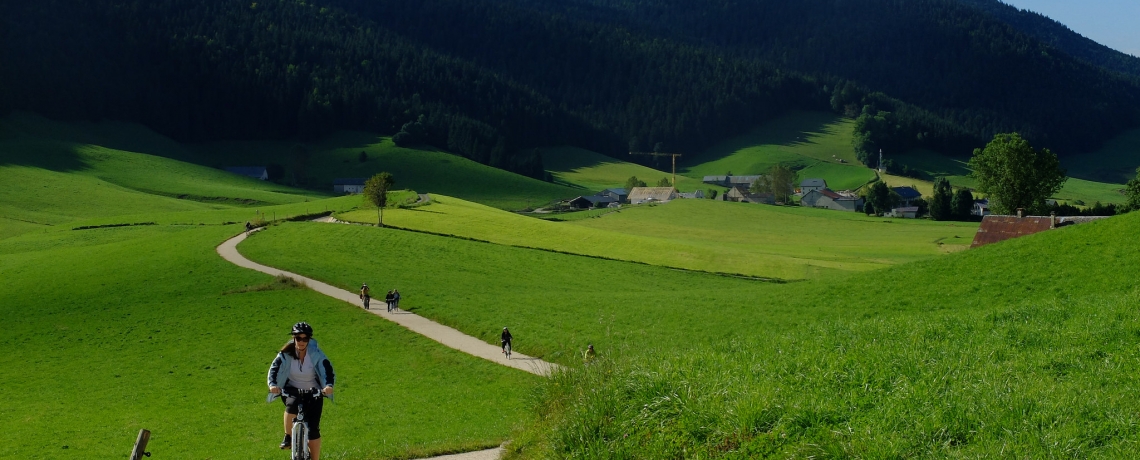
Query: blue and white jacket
point(279, 369)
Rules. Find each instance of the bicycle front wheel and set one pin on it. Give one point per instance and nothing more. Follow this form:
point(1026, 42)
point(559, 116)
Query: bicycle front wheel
point(300, 442)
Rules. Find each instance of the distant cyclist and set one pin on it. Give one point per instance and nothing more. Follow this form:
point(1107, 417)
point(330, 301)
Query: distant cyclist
point(506, 340)
point(390, 299)
point(365, 295)
point(300, 365)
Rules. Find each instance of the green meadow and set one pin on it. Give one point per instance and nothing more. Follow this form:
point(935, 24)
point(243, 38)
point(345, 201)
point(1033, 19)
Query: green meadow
point(144, 326)
point(594, 172)
point(1115, 162)
point(1001, 347)
point(118, 329)
point(816, 143)
point(426, 169)
point(1023, 349)
point(725, 330)
point(706, 235)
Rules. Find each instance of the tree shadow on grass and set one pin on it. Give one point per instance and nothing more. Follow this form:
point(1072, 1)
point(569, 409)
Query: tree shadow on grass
point(44, 154)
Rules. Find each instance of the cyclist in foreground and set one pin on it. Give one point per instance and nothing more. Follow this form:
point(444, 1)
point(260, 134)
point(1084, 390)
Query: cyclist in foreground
point(300, 365)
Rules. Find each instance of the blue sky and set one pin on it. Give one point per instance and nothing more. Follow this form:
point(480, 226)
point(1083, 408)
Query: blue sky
point(1113, 23)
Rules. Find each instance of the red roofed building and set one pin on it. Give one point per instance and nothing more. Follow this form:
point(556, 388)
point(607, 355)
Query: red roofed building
point(995, 229)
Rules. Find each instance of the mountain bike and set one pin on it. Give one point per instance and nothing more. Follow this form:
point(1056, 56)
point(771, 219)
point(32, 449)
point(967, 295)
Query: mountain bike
point(507, 349)
point(300, 448)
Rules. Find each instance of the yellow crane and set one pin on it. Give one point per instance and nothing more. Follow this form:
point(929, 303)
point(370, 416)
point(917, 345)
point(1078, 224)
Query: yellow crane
point(659, 154)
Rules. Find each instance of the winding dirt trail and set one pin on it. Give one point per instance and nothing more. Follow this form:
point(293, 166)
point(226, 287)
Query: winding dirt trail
point(447, 336)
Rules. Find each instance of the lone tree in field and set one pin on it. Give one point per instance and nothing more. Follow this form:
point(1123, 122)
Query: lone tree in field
point(1015, 175)
point(780, 181)
point(376, 192)
point(664, 182)
point(940, 201)
point(882, 198)
point(632, 182)
point(1132, 191)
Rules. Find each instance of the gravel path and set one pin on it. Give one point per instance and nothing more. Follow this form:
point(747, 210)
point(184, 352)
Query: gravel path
point(448, 336)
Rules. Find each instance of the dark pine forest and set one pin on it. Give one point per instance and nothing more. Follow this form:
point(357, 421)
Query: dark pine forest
point(493, 80)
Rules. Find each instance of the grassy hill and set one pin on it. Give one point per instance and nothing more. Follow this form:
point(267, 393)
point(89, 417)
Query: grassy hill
point(889, 348)
point(813, 142)
point(123, 328)
point(425, 170)
point(118, 329)
point(1115, 163)
point(765, 241)
point(594, 172)
point(994, 352)
point(56, 173)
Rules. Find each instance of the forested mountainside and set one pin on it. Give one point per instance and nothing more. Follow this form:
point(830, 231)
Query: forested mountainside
point(1059, 36)
point(493, 79)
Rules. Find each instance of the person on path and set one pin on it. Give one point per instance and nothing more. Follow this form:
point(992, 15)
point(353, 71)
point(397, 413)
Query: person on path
point(589, 355)
point(390, 299)
point(365, 295)
point(506, 337)
point(301, 365)
point(396, 299)
point(248, 227)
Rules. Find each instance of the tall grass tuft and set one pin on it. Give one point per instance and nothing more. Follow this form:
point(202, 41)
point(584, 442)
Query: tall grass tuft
point(280, 282)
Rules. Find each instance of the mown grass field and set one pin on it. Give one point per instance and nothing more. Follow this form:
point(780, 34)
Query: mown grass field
point(756, 240)
point(1000, 351)
point(813, 142)
point(118, 329)
point(594, 172)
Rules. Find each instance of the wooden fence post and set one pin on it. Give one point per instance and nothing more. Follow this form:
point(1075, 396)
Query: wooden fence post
point(140, 445)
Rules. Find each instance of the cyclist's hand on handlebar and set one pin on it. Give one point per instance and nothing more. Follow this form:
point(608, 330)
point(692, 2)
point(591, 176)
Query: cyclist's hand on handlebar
point(275, 390)
point(328, 391)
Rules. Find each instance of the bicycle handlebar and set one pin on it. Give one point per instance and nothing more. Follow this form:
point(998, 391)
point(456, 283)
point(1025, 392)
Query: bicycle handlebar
point(293, 392)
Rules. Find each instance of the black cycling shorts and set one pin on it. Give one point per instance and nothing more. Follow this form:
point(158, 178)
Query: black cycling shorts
point(313, 408)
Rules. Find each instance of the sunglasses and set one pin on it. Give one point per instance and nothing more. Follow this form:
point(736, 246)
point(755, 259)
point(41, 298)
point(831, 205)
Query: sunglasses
point(302, 338)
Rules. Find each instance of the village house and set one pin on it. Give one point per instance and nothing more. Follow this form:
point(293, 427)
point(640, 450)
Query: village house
point(699, 194)
point(742, 195)
point(905, 212)
point(981, 208)
point(812, 184)
point(828, 199)
point(621, 195)
point(907, 195)
point(641, 195)
point(348, 185)
point(592, 201)
point(997, 228)
point(256, 172)
point(731, 181)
